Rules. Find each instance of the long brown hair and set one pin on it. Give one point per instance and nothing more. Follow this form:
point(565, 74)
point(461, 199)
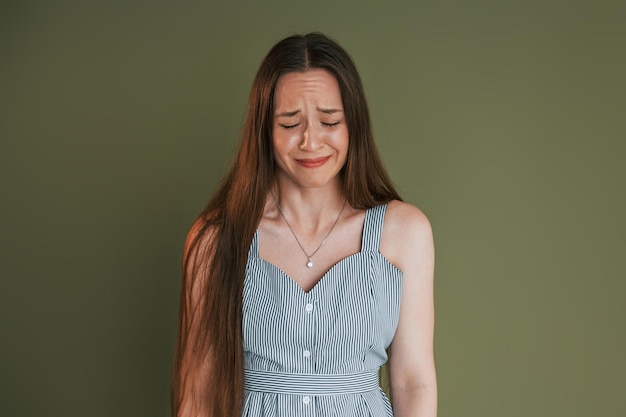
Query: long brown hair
point(208, 371)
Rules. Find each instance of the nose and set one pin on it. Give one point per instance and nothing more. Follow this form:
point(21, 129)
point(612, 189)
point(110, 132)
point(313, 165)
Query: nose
point(311, 138)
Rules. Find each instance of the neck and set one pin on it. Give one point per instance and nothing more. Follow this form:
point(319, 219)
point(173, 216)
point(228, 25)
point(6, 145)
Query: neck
point(309, 209)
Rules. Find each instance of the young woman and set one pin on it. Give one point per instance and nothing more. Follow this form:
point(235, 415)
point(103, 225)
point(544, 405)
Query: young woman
point(306, 267)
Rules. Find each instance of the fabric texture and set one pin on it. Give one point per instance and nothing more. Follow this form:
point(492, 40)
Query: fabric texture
point(318, 353)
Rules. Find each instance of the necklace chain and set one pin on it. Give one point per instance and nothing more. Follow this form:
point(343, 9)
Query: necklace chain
point(309, 264)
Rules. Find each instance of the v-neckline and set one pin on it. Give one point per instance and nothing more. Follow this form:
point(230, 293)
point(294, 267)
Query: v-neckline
point(369, 222)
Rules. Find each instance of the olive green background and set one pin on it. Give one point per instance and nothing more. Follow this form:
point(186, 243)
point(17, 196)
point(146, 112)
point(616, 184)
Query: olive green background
point(503, 120)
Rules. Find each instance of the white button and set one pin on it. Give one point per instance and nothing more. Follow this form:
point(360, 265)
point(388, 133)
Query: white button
point(306, 354)
point(306, 399)
point(309, 308)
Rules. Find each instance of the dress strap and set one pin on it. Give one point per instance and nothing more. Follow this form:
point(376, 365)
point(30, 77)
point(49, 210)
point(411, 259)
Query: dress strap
point(253, 252)
point(373, 228)
point(310, 384)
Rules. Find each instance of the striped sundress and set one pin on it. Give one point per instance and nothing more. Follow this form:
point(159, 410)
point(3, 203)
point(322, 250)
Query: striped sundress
point(318, 353)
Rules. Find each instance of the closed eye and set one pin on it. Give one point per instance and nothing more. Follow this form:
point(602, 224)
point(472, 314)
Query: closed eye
point(287, 127)
point(330, 124)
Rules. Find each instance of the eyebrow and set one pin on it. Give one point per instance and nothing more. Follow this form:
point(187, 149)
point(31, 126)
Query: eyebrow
point(327, 111)
point(319, 109)
point(288, 113)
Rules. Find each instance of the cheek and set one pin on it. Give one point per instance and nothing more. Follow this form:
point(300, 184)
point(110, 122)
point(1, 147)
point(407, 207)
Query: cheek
point(283, 137)
point(285, 142)
point(282, 145)
point(339, 139)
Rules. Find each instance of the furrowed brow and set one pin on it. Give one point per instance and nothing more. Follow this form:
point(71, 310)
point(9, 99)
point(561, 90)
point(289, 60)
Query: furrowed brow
point(328, 111)
point(288, 113)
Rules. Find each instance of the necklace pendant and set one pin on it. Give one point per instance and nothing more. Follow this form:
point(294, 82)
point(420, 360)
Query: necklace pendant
point(309, 264)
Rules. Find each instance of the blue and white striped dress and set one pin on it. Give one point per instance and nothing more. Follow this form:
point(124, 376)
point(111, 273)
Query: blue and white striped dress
point(318, 353)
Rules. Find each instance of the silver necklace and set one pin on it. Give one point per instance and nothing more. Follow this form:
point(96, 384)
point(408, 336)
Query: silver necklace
point(309, 264)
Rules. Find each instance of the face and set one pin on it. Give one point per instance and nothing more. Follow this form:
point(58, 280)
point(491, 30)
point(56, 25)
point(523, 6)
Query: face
point(310, 135)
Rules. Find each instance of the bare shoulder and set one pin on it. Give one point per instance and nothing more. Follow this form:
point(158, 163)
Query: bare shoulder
point(406, 223)
point(407, 235)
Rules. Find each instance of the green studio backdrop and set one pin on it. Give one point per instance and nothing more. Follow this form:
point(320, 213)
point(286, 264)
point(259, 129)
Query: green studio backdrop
point(502, 120)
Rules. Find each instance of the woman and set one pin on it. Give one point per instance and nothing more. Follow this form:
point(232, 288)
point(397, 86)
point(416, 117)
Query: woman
point(306, 266)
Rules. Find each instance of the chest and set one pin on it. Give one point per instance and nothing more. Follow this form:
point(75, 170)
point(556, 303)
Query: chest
point(306, 259)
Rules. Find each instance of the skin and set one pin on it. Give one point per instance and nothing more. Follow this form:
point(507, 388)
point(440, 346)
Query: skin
point(310, 140)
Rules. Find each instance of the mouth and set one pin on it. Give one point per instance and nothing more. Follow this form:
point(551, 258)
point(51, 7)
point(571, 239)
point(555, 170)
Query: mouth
point(314, 162)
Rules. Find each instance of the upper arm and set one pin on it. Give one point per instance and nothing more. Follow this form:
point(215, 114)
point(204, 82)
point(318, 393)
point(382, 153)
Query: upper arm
point(408, 243)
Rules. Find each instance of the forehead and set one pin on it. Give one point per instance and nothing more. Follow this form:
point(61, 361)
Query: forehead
point(317, 85)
